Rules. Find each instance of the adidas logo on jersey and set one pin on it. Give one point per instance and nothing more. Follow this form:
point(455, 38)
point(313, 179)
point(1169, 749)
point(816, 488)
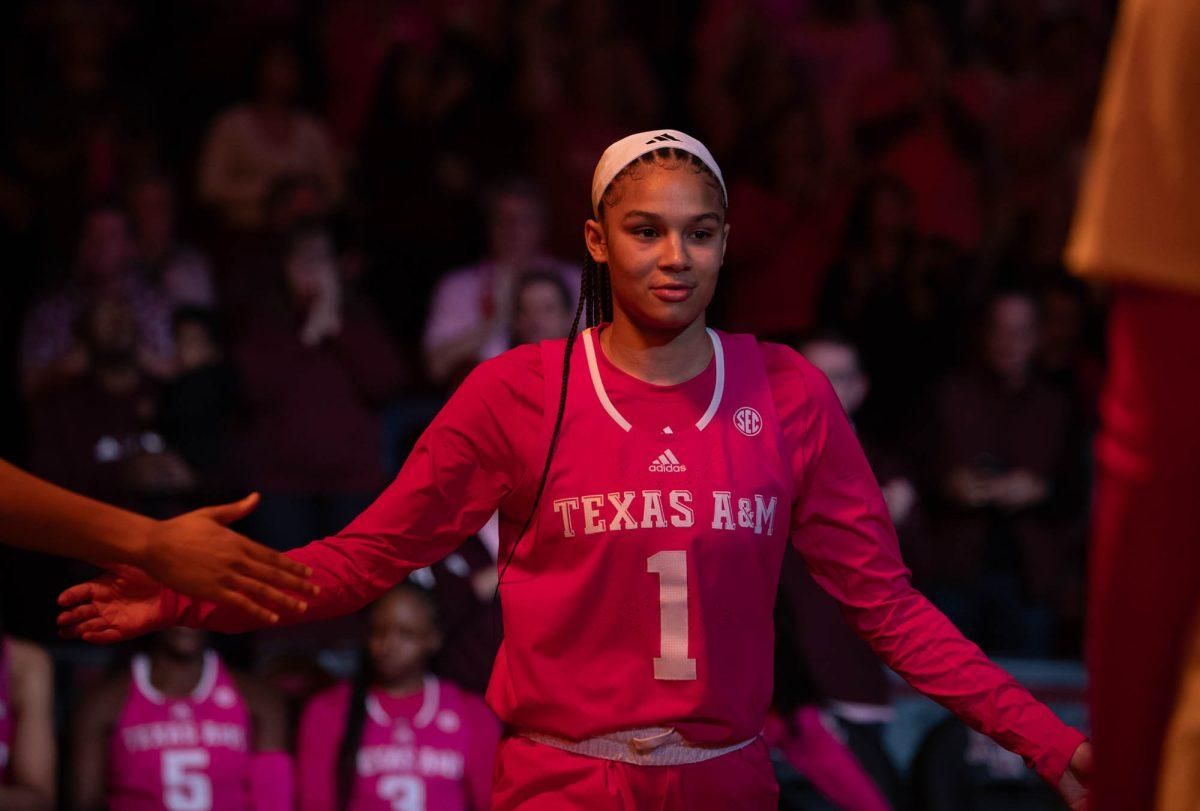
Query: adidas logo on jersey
point(667, 463)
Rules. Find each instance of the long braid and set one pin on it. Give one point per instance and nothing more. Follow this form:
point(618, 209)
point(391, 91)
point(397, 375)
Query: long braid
point(356, 719)
point(587, 299)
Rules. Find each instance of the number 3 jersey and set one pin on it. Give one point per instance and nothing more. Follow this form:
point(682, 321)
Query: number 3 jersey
point(643, 594)
point(190, 753)
point(433, 750)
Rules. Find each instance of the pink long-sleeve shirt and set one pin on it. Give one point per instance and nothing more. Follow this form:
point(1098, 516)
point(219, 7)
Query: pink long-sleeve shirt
point(486, 449)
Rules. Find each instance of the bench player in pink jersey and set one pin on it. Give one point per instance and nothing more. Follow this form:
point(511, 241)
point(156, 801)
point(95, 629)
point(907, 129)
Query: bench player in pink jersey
point(648, 472)
point(178, 731)
point(27, 750)
point(397, 738)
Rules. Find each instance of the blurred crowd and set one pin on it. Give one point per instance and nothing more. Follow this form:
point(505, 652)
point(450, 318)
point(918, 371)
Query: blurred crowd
point(254, 245)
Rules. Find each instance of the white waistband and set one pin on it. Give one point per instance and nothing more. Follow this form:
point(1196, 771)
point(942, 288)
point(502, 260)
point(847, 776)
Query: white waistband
point(655, 746)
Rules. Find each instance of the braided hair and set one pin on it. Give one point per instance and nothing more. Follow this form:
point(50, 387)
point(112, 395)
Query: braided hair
point(595, 297)
point(346, 765)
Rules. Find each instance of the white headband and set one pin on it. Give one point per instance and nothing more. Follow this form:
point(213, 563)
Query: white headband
point(630, 148)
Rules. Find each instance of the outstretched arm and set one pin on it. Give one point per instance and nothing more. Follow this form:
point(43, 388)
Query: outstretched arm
point(462, 468)
point(840, 526)
point(195, 553)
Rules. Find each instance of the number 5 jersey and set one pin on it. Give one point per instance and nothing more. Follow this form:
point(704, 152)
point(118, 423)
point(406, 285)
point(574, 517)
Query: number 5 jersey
point(181, 754)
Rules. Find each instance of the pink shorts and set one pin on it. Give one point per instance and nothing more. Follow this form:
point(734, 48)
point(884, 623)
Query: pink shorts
point(533, 776)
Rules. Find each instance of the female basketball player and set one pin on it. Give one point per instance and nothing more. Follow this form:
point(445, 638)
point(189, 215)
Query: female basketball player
point(178, 731)
point(397, 737)
point(648, 474)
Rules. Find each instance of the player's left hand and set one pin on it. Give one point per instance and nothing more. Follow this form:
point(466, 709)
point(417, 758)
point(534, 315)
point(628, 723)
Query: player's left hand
point(1073, 785)
point(117, 606)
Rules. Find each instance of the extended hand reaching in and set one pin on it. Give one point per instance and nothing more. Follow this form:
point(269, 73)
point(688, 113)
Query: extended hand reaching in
point(197, 554)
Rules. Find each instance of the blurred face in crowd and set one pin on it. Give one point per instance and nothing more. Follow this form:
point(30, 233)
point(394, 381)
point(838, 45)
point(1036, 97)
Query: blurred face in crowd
point(184, 644)
point(311, 267)
point(105, 249)
point(516, 228)
point(152, 206)
point(401, 636)
point(1062, 325)
point(1012, 336)
point(110, 331)
point(663, 236)
point(195, 346)
point(279, 75)
point(892, 211)
point(839, 362)
point(543, 312)
point(921, 38)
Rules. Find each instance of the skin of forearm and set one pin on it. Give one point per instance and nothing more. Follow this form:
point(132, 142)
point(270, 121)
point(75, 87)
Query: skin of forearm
point(40, 516)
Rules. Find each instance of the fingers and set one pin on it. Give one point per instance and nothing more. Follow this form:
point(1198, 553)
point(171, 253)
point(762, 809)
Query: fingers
point(264, 554)
point(79, 614)
point(235, 599)
point(77, 594)
point(272, 576)
point(266, 596)
point(229, 513)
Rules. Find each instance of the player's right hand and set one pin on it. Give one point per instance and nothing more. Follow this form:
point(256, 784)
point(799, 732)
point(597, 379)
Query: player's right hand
point(198, 555)
point(117, 606)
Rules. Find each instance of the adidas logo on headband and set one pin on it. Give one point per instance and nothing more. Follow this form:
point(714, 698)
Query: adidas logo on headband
point(631, 147)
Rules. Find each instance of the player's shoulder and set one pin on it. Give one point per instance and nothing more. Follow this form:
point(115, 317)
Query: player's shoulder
point(516, 371)
point(789, 373)
point(471, 706)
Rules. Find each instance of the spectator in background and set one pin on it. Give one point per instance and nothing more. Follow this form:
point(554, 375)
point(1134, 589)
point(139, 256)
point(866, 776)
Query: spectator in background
point(873, 295)
point(51, 349)
point(248, 266)
point(924, 121)
point(1068, 353)
point(1010, 490)
point(254, 144)
point(359, 743)
point(471, 317)
point(94, 432)
point(27, 747)
point(543, 308)
point(795, 212)
point(196, 408)
point(843, 670)
point(315, 366)
point(181, 272)
point(177, 729)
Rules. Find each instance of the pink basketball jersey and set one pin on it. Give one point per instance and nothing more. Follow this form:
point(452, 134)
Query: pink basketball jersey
point(413, 756)
point(6, 712)
point(644, 593)
point(181, 754)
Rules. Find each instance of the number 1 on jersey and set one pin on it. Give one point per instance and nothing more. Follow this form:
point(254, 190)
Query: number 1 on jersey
point(673, 664)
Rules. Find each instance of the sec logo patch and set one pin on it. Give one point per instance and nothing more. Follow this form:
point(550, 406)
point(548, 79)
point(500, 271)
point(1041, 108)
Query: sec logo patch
point(748, 421)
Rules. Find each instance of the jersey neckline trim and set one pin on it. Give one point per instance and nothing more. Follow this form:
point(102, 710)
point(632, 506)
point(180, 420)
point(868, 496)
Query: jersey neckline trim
point(431, 697)
point(589, 349)
point(204, 687)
